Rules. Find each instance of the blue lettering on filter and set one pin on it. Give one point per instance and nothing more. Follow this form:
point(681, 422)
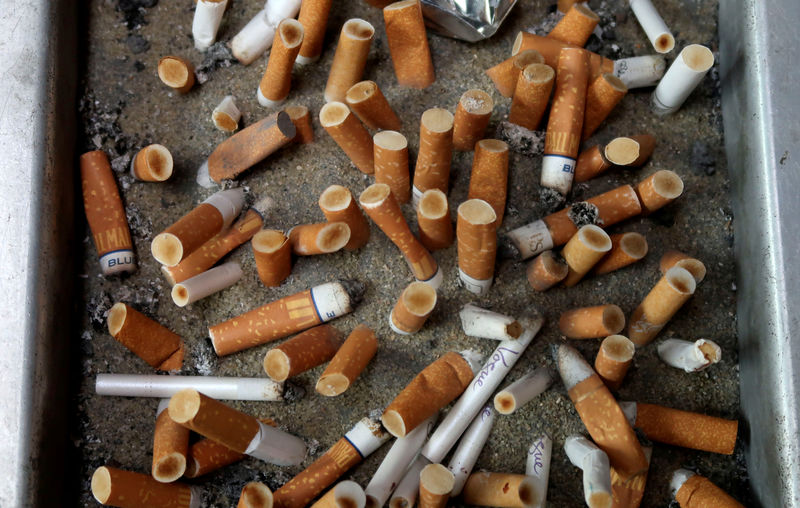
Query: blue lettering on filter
point(566, 168)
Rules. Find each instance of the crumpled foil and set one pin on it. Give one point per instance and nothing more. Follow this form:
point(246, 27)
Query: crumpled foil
point(469, 20)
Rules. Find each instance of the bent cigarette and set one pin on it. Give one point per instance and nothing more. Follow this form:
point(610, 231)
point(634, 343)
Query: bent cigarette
point(408, 44)
point(345, 494)
point(279, 10)
point(225, 388)
point(435, 486)
point(694, 491)
point(314, 18)
point(596, 470)
point(177, 73)
point(476, 234)
point(537, 469)
point(432, 170)
point(301, 118)
point(412, 309)
point(206, 456)
point(206, 284)
point(630, 491)
point(126, 489)
point(546, 271)
point(473, 112)
point(583, 251)
point(338, 205)
point(531, 95)
point(489, 178)
point(682, 77)
point(273, 254)
point(405, 494)
point(349, 59)
point(252, 40)
point(549, 48)
point(106, 215)
point(689, 356)
point(390, 153)
point(626, 249)
point(613, 360)
point(658, 190)
point(147, 339)
point(497, 489)
point(522, 391)
point(320, 238)
point(349, 361)
point(277, 80)
point(576, 26)
point(206, 21)
point(285, 316)
point(505, 75)
point(371, 106)
point(226, 115)
point(255, 495)
point(349, 134)
point(302, 352)
point(660, 304)
point(653, 25)
point(433, 219)
point(469, 448)
point(479, 322)
point(640, 71)
point(152, 163)
point(676, 258)
point(602, 96)
point(591, 162)
point(170, 446)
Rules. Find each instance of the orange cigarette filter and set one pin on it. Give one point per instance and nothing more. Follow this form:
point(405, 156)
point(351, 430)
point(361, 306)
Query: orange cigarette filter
point(476, 233)
point(505, 75)
point(170, 448)
point(473, 112)
point(152, 163)
point(498, 489)
point(676, 258)
point(628, 492)
point(546, 270)
point(408, 44)
point(591, 162)
point(489, 178)
point(255, 495)
point(658, 190)
point(126, 489)
point(350, 58)
point(602, 97)
point(273, 254)
point(250, 146)
point(592, 322)
point(349, 134)
point(432, 170)
point(277, 80)
point(550, 48)
point(349, 362)
point(207, 455)
point(106, 215)
point(699, 492)
point(583, 251)
point(436, 482)
point(338, 205)
point(622, 151)
point(576, 26)
point(390, 151)
point(321, 238)
point(412, 309)
point(658, 307)
point(301, 118)
point(370, 105)
point(436, 386)
point(687, 430)
point(177, 73)
point(626, 249)
point(647, 144)
point(188, 234)
point(148, 340)
point(314, 18)
point(433, 218)
point(565, 5)
point(531, 95)
point(213, 419)
point(302, 352)
point(613, 360)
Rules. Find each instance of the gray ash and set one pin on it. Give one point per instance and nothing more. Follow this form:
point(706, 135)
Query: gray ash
point(552, 200)
point(217, 56)
point(97, 309)
point(355, 290)
point(293, 392)
point(101, 127)
point(520, 139)
point(140, 225)
point(137, 44)
point(702, 159)
point(507, 250)
point(133, 11)
point(583, 214)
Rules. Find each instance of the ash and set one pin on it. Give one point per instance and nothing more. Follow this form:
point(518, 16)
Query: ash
point(551, 199)
point(583, 214)
point(101, 127)
point(217, 56)
point(520, 139)
point(546, 24)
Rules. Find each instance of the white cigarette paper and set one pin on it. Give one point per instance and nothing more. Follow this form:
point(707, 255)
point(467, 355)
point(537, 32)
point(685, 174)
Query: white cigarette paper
point(469, 448)
point(206, 283)
point(478, 286)
point(640, 71)
point(207, 18)
point(367, 436)
point(162, 405)
point(682, 77)
point(596, 470)
point(221, 388)
point(405, 495)
point(653, 25)
point(522, 391)
point(689, 356)
point(531, 239)
point(479, 322)
point(278, 10)
point(537, 467)
point(332, 300)
point(558, 172)
point(629, 410)
point(226, 114)
point(255, 38)
point(276, 446)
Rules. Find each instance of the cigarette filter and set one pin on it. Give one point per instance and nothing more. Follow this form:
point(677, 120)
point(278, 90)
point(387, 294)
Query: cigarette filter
point(255, 495)
point(284, 317)
point(683, 76)
point(371, 106)
point(546, 271)
point(277, 80)
point(640, 71)
point(350, 58)
point(206, 284)
point(630, 491)
point(320, 238)
point(301, 118)
point(170, 446)
point(694, 491)
point(433, 219)
point(531, 95)
point(476, 234)
point(537, 469)
point(653, 25)
point(278, 10)
point(338, 205)
point(349, 134)
point(177, 73)
point(473, 112)
point(432, 389)
point(591, 162)
point(345, 494)
point(676, 258)
point(576, 26)
point(432, 170)
point(302, 352)
point(314, 18)
point(106, 215)
point(390, 151)
point(497, 489)
point(435, 485)
point(550, 49)
point(252, 40)
point(658, 307)
point(479, 322)
point(225, 388)
point(152, 163)
point(592, 322)
point(647, 144)
point(596, 470)
point(522, 391)
point(206, 456)
point(363, 439)
point(207, 18)
point(469, 448)
point(148, 340)
point(408, 44)
point(689, 356)
point(489, 178)
point(349, 361)
point(249, 147)
point(226, 115)
point(406, 492)
point(564, 6)
point(583, 251)
point(505, 75)
point(273, 254)
point(613, 360)
point(602, 96)
point(658, 190)
point(126, 489)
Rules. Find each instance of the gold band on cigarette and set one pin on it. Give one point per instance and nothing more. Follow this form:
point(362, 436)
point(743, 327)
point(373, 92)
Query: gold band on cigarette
point(255, 495)
point(370, 105)
point(602, 96)
point(550, 48)
point(660, 304)
point(146, 338)
point(576, 26)
point(546, 270)
point(115, 487)
point(497, 489)
point(687, 430)
point(436, 483)
point(432, 170)
point(170, 449)
point(433, 218)
point(349, 134)
point(658, 190)
point(348, 363)
point(473, 112)
point(583, 251)
point(591, 162)
point(277, 80)
point(177, 73)
point(699, 492)
point(592, 322)
point(408, 44)
point(412, 309)
point(613, 360)
point(338, 205)
point(505, 75)
point(476, 234)
point(302, 352)
point(531, 95)
point(391, 163)
point(626, 249)
point(301, 118)
point(153, 163)
point(273, 254)
point(489, 178)
point(350, 58)
point(314, 18)
point(213, 419)
point(676, 258)
point(207, 455)
point(321, 238)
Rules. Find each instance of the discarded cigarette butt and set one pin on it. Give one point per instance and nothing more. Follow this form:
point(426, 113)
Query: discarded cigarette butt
point(537, 469)
point(694, 491)
point(630, 491)
point(640, 71)
point(249, 146)
point(602, 96)
point(285, 316)
point(350, 58)
point(225, 388)
point(170, 446)
point(660, 304)
point(205, 284)
point(226, 115)
point(314, 18)
point(432, 389)
point(613, 360)
point(433, 218)
point(432, 170)
point(676, 258)
point(531, 95)
point(522, 391)
point(546, 271)
point(106, 215)
point(382, 207)
point(345, 494)
point(277, 11)
point(647, 144)
point(565, 122)
point(176, 73)
point(476, 234)
point(206, 456)
point(596, 470)
point(626, 249)
point(479, 322)
point(405, 494)
point(408, 44)
point(505, 75)
point(435, 485)
point(370, 105)
point(583, 251)
point(321, 238)
point(234, 429)
point(469, 448)
point(273, 254)
point(689, 356)
point(152, 163)
point(356, 445)
point(412, 309)
point(497, 489)
point(255, 495)
point(349, 134)
point(302, 352)
point(621, 151)
point(277, 80)
point(206, 21)
point(564, 6)
point(252, 40)
point(390, 153)
point(197, 227)
point(550, 48)
point(591, 162)
point(301, 118)
point(148, 340)
point(653, 25)
point(489, 178)
point(126, 489)
point(349, 361)
point(576, 26)
point(682, 77)
point(473, 112)
point(338, 205)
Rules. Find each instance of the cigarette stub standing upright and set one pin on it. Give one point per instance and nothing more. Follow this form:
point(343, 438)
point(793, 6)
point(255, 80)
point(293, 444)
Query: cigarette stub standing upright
point(432, 170)
point(682, 77)
point(489, 178)
point(505, 75)
point(277, 80)
point(152, 163)
point(338, 204)
point(412, 309)
point(370, 105)
point(576, 26)
point(473, 112)
point(207, 18)
point(408, 44)
point(314, 18)
point(476, 239)
point(226, 115)
point(664, 300)
point(433, 219)
point(349, 59)
point(390, 153)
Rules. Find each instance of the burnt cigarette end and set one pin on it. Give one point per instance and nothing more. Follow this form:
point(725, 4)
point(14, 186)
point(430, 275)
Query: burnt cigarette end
point(551, 199)
point(286, 125)
point(583, 214)
point(355, 290)
point(507, 250)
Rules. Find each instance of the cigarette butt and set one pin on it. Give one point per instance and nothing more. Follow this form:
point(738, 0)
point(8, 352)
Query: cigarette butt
point(537, 468)
point(694, 491)
point(152, 163)
point(206, 284)
point(630, 491)
point(640, 71)
point(338, 205)
point(350, 58)
point(432, 170)
point(687, 430)
point(653, 25)
point(155, 385)
point(616, 205)
point(522, 391)
point(546, 271)
point(106, 215)
point(531, 95)
point(348, 362)
point(302, 352)
point(576, 26)
point(390, 152)
point(345, 494)
point(255, 495)
point(273, 254)
point(689, 356)
point(476, 233)
point(432, 389)
point(505, 75)
point(626, 249)
point(349, 134)
point(321, 238)
point(592, 322)
point(226, 115)
point(479, 322)
point(278, 11)
point(489, 178)
point(277, 80)
point(148, 340)
point(497, 489)
point(408, 44)
point(602, 96)
point(170, 447)
point(176, 73)
point(412, 309)
point(658, 307)
point(622, 151)
point(676, 258)
point(550, 48)
point(254, 39)
point(314, 18)
point(583, 251)
point(647, 144)
point(371, 106)
point(613, 360)
point(597, 490)
point(205, 24)
point(433, 218)
point(469, 448)
point(564, 6)
point(473, 112)
point(126, 489)
point(207, 455)
point(301, 118)
point(682, 77)
point(435, 484)
point(591, 162)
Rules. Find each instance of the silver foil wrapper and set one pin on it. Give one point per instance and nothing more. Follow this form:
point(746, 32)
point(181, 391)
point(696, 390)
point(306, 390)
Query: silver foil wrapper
point(469, 20)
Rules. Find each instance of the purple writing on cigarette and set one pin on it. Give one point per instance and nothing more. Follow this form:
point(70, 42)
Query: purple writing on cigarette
point(537, 450)
point(498, 356)
point(487, 411)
